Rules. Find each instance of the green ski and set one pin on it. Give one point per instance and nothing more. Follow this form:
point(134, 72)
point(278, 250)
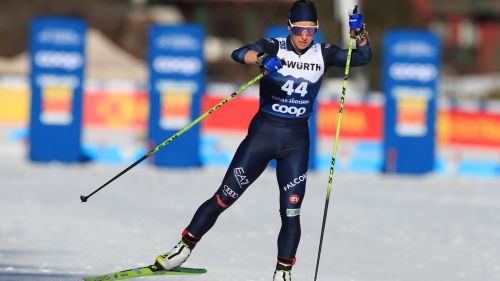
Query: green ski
point(150, 270)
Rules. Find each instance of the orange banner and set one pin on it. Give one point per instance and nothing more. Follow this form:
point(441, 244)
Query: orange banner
point(118, 110)
point(235, 115)
point(14, 104)
point(469, 128)
point(358, 121)
point(129, 110)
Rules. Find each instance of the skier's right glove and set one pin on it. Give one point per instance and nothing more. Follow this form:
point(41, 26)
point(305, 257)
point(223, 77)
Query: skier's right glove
point(270, 63)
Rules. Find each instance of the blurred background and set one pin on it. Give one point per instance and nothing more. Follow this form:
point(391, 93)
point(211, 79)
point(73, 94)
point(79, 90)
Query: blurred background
point(88, 87)
point(116, 78)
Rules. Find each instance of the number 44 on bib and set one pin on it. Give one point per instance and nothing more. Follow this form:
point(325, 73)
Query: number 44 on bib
point(289, 89)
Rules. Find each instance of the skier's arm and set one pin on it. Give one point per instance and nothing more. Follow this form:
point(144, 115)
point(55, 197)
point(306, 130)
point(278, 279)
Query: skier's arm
point(336, 56)
point(248, 53)
point(262, 52)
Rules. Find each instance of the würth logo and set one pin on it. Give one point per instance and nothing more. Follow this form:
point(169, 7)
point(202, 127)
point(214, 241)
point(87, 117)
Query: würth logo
point(303, 65)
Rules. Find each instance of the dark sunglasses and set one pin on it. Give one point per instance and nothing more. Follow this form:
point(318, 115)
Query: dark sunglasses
point(298, 30)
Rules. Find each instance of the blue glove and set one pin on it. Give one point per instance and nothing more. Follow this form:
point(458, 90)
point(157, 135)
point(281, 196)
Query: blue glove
point(270, 63)
point(356, 21)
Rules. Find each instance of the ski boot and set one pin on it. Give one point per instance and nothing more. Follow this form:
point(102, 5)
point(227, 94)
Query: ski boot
point(174, 258)
point(282, 275)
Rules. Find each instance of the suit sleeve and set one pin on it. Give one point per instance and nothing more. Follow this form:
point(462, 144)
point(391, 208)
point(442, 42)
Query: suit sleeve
point(269, 46)
point(336, 56)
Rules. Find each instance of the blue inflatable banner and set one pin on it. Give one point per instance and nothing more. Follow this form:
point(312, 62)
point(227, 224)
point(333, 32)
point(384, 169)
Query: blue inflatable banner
point(410, 80)
point(177, 74)
point(57, 50)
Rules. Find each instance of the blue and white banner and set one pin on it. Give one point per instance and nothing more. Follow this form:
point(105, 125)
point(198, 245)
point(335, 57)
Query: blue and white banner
point(57, 51)
point(177, 74)
point(410, 82)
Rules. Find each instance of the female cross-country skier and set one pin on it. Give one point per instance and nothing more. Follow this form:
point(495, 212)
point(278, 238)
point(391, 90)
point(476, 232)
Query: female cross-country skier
point(279, 130)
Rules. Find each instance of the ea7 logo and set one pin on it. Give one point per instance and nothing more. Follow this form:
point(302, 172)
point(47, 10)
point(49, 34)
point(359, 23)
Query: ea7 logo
point(240, 176)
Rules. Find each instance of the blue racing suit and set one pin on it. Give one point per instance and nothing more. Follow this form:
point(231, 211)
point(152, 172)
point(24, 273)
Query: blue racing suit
point(278, 131)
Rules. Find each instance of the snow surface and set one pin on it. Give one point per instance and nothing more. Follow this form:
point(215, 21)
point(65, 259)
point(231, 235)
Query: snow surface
point(379, 227)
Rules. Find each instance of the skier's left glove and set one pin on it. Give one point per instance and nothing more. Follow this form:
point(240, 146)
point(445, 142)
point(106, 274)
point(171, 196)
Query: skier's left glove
point(356, 23)
point(270, 63)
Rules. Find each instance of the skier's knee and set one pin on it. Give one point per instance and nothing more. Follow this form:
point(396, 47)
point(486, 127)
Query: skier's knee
point(219, 203)
point(225, 197)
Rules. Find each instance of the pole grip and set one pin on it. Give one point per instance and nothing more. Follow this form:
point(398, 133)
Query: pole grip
point(352, 32)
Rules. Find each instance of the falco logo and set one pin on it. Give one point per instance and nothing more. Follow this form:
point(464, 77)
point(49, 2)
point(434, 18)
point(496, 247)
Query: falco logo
point(240, 176)
point(295, 181)
point(303, 65)
point(294, 199)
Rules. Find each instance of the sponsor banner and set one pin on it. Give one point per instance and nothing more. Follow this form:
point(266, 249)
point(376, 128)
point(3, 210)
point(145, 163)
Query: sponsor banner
point(57, 105)
point(57, 65)
point(233, 116)
point(14, 101)
point(359, 121)
point(175, 110)
point(410, 77)
point(115, 109)
point(128, 109)
point(176, 66)
point(363, 121)
point(469, 128)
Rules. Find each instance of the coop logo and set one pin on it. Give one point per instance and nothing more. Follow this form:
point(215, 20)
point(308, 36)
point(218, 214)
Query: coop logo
point(177, 65)
point(229, 192)
point(421, 72)
point(59, 59)
point(297, 111)
point(59, 36)
point(178, 42)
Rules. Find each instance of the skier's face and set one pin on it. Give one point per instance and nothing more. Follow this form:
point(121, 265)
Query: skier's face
point(302, 33)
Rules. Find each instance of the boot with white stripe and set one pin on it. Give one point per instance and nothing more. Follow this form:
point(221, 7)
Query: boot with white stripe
point(282, 275)
point(174, 258)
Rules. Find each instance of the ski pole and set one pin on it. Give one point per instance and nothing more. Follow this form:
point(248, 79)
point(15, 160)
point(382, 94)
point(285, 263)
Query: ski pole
point(335, 145)
point(176, 135)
